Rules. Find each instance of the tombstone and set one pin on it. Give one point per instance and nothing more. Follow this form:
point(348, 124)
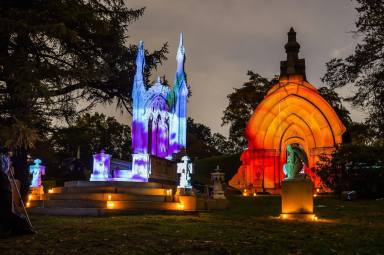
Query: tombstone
point(185, 169)
point(101, 167)
point(37, 170)
point(217, 179)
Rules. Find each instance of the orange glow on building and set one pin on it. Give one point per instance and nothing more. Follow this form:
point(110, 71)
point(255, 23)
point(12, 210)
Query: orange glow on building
point(292, 112)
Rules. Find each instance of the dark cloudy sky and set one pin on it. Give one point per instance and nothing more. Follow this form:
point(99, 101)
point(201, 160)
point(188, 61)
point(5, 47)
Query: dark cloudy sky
point(225, 38)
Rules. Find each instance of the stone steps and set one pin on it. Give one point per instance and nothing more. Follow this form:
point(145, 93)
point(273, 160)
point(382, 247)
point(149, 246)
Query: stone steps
point(108, 196)
point(102, 198)
point(110, 189)
point(116, 184)
point(121, 205)
point(97, 211)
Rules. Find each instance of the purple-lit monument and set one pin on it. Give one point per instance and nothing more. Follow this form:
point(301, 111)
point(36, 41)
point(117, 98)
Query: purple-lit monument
point(159, 124)
point(159, 121)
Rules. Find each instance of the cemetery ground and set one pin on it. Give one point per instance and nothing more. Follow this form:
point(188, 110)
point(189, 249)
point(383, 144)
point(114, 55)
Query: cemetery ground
point(249, 226)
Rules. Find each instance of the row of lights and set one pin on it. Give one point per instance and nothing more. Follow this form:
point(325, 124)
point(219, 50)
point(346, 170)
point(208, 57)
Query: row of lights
point(284, 216)
point(246, 194)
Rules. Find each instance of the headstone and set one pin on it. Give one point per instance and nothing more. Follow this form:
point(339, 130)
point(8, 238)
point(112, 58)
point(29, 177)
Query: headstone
point(217, 179)
point(141, 166)
point(101, 167)
point(163, 170)
point(37, 171)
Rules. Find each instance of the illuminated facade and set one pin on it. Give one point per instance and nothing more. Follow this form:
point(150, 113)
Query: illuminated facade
point(159, 124)
point(293, 112)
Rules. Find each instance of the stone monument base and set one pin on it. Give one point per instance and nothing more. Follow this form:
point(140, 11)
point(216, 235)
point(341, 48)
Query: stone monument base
point(297, 199)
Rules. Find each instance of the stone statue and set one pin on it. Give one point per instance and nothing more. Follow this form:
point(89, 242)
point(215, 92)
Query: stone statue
point(185, 169)
point(295, 162)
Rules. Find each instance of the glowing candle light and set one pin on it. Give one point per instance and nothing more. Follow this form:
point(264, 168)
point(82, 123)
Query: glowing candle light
point(110, 205)
point(180, 206)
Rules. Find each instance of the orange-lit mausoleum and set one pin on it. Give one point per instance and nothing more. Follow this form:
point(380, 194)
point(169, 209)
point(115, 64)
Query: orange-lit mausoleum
point(292, 112)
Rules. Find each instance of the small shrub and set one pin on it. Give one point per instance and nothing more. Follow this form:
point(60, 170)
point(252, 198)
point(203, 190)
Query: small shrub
point(354, 167)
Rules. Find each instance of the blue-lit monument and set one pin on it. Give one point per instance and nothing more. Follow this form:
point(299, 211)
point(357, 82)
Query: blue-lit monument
point(159, 124)
point(159, 121)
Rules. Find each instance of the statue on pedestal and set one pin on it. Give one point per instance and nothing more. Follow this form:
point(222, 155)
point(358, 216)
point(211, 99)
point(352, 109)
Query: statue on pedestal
point(296, 191)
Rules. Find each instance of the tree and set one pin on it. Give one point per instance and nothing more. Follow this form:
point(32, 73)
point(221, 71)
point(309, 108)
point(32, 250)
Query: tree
point(57, 53)
point(202, 143)
point(361, 133)
point(364, 69)
point(354, 167)
point(90, 134)
point(335, 101)
point(242, 103)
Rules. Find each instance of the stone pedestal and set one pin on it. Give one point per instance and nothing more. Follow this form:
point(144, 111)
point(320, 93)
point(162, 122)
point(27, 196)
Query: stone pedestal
point(296, 197)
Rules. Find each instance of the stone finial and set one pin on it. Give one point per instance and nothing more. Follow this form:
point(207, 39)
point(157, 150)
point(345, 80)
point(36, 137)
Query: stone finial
point(293, 65)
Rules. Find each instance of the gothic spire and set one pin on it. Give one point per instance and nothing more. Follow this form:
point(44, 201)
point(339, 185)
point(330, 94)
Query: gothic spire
point(140, 58)
point(180, 56)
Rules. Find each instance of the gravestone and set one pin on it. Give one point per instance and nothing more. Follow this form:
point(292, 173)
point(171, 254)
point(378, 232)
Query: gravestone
point(101, 167)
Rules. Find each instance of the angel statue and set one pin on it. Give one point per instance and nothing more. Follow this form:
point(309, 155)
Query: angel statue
point(295, 162)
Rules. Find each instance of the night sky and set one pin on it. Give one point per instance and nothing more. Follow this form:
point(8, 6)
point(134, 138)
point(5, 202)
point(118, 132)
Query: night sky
point(225, 38)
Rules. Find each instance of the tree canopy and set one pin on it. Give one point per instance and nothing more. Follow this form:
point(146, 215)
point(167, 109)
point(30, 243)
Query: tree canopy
point(364, 69)
point(57, 53)
point(242, 103)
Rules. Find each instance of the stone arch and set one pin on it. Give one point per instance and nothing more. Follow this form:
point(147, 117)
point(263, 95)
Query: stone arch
point(292, 112)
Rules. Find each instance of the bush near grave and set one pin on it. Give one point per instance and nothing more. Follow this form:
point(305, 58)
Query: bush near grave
point(357, 168)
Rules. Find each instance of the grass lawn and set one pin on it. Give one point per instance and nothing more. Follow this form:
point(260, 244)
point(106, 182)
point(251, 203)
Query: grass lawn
point(247, 227)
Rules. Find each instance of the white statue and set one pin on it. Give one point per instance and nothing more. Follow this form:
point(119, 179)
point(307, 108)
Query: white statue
point(185, 169)
point(37, 171)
